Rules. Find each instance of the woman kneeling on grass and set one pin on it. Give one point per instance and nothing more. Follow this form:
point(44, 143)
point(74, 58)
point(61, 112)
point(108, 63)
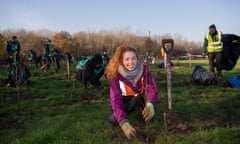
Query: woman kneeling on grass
point(129, 79)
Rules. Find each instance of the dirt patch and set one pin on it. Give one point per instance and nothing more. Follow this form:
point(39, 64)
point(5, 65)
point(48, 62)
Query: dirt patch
point(14, 97)
point(14, 124)
point(176, 122)
point(143, 136)
point(212, 121)
point(94, 94)
point(6, 122)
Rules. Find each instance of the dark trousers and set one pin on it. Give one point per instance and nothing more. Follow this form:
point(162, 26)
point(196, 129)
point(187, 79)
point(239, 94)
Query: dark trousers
point(215, 60)
point(85, 76)
point(131, 104)
point(38, 61)
point(47, 59)
point(94, 80)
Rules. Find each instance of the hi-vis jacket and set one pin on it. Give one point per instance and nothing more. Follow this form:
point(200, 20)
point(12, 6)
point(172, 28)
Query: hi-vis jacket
point(121, 87)
point(213, 43)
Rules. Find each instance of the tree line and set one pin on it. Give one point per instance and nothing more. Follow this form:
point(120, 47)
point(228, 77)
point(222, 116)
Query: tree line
point(90, 43)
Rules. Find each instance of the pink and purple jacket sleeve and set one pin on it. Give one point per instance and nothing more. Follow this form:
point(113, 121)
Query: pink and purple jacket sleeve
point(116, 100)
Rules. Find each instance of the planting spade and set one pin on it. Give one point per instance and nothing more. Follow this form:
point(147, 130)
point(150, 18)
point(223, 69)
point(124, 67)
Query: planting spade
point(173, 121)
point(167, 45)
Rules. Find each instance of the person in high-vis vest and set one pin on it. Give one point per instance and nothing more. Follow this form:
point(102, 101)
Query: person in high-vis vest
point(132, 87)
point(213, 47)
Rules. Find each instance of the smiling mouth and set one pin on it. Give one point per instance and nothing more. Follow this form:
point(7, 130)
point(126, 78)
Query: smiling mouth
point(131, 67)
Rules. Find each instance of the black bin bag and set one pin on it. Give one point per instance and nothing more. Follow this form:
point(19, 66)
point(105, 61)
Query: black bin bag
point(231, 51)
point(202, 76)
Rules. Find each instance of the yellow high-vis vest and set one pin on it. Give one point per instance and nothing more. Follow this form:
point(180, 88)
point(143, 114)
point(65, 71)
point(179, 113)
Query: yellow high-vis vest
point(214, 43)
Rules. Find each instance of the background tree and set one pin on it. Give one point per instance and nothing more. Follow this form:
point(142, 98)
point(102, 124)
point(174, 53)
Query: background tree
point(90, 43)
point(63, 40)
point(80, 39)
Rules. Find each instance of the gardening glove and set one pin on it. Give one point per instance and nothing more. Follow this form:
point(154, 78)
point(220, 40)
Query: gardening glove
point(128, 130)
point(148, 112)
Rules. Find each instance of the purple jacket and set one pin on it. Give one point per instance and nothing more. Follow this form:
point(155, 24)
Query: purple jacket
point(116, 97)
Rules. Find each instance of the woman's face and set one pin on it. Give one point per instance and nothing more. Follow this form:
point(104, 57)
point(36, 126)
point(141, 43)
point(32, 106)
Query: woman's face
point(130, 60)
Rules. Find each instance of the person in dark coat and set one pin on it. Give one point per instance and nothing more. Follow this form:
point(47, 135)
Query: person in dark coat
point(90, 69)
point(17, 74)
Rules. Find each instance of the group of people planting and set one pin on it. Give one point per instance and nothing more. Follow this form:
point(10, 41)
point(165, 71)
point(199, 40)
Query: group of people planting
point(132, 86)
point(52, 56)
point(15, 64)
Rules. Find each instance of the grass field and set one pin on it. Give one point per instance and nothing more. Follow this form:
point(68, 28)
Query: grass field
point(52, 109)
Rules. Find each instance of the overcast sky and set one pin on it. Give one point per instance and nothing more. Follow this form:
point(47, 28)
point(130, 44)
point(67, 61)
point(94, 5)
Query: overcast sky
point(189, 18)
